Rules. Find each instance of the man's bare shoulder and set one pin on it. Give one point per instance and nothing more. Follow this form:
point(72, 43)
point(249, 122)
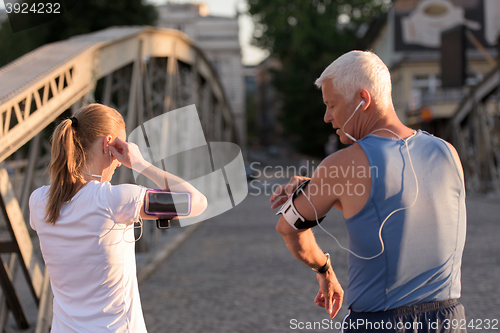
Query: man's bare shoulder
point(343, 159)
point(452, 148)
point(456, 157)
point(346, 156)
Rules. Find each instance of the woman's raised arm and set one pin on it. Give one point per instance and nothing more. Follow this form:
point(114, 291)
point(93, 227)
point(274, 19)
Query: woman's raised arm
point(129, 155)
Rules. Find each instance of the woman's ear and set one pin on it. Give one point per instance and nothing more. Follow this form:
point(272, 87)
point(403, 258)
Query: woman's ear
point(106, 140)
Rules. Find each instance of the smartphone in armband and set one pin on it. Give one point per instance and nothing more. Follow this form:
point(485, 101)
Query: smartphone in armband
point(166, 204)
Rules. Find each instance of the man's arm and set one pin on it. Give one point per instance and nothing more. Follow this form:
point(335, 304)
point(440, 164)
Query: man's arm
point(302, 244)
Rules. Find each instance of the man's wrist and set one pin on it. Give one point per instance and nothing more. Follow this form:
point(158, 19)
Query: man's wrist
point(323, 269)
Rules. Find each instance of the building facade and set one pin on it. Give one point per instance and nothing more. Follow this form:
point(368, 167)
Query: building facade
point(408, 40)
point(3, 15)
point(218, 37)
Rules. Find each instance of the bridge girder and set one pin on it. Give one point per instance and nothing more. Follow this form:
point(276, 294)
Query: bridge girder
point(143, 72)
point(38, 87)
point(475, 132)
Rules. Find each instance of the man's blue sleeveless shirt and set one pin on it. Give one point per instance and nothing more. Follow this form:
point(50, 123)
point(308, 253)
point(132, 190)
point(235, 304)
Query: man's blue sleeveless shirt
point(423, 244)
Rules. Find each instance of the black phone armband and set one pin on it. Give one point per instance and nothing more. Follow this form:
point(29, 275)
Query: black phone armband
point(292, 216)
point(166, 205)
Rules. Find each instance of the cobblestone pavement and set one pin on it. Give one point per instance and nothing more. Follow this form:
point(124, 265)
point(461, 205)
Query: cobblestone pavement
point(235, 274)
point(481, 261)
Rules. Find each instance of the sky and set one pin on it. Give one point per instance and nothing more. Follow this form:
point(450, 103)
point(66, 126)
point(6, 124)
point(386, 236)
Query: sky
point(251, 55)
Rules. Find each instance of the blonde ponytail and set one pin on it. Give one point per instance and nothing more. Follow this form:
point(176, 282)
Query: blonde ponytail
point(70, 144)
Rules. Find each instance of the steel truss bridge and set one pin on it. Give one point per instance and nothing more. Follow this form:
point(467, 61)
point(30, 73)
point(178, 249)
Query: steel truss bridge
point(140, 71)
point(475, 132)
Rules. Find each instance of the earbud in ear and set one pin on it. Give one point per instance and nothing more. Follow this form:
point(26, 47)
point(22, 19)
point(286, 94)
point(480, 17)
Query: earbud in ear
point(357, 107)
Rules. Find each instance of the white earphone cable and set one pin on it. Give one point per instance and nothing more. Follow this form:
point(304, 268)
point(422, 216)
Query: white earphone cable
point(388, 216)
point(343, 127)
point(141, 223)
point(107, 173)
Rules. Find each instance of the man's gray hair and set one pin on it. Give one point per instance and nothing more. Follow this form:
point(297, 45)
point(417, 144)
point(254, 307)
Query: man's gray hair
point(358, 70)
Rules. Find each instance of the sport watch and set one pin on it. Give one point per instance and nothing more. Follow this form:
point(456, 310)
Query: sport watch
point(325, 267)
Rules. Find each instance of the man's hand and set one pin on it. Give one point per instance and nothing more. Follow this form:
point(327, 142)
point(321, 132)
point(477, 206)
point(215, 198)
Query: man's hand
point(330, 294)
point(283, 192)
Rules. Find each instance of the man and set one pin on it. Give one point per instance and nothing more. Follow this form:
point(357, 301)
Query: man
point(403, 199)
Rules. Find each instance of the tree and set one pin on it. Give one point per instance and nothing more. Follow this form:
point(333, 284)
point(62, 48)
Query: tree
point(87, 16)
point(306, 36)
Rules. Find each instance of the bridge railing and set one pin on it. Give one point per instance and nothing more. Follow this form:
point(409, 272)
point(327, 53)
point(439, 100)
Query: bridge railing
point(475, 130)
point(140, 71)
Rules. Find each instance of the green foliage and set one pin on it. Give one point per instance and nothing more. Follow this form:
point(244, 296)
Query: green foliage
point(86, 17)
point(306, 36)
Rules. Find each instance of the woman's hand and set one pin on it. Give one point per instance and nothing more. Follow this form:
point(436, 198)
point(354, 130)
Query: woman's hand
point(283, 192)
point(128, 154)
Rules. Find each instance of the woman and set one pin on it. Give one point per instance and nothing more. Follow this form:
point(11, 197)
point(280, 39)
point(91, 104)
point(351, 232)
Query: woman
point(86, 225)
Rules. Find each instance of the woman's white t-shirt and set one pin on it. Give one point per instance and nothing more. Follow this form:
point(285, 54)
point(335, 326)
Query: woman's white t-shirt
point(90, 256)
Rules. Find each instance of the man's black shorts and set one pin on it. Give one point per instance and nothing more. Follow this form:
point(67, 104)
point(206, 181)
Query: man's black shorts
point(433, 317)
